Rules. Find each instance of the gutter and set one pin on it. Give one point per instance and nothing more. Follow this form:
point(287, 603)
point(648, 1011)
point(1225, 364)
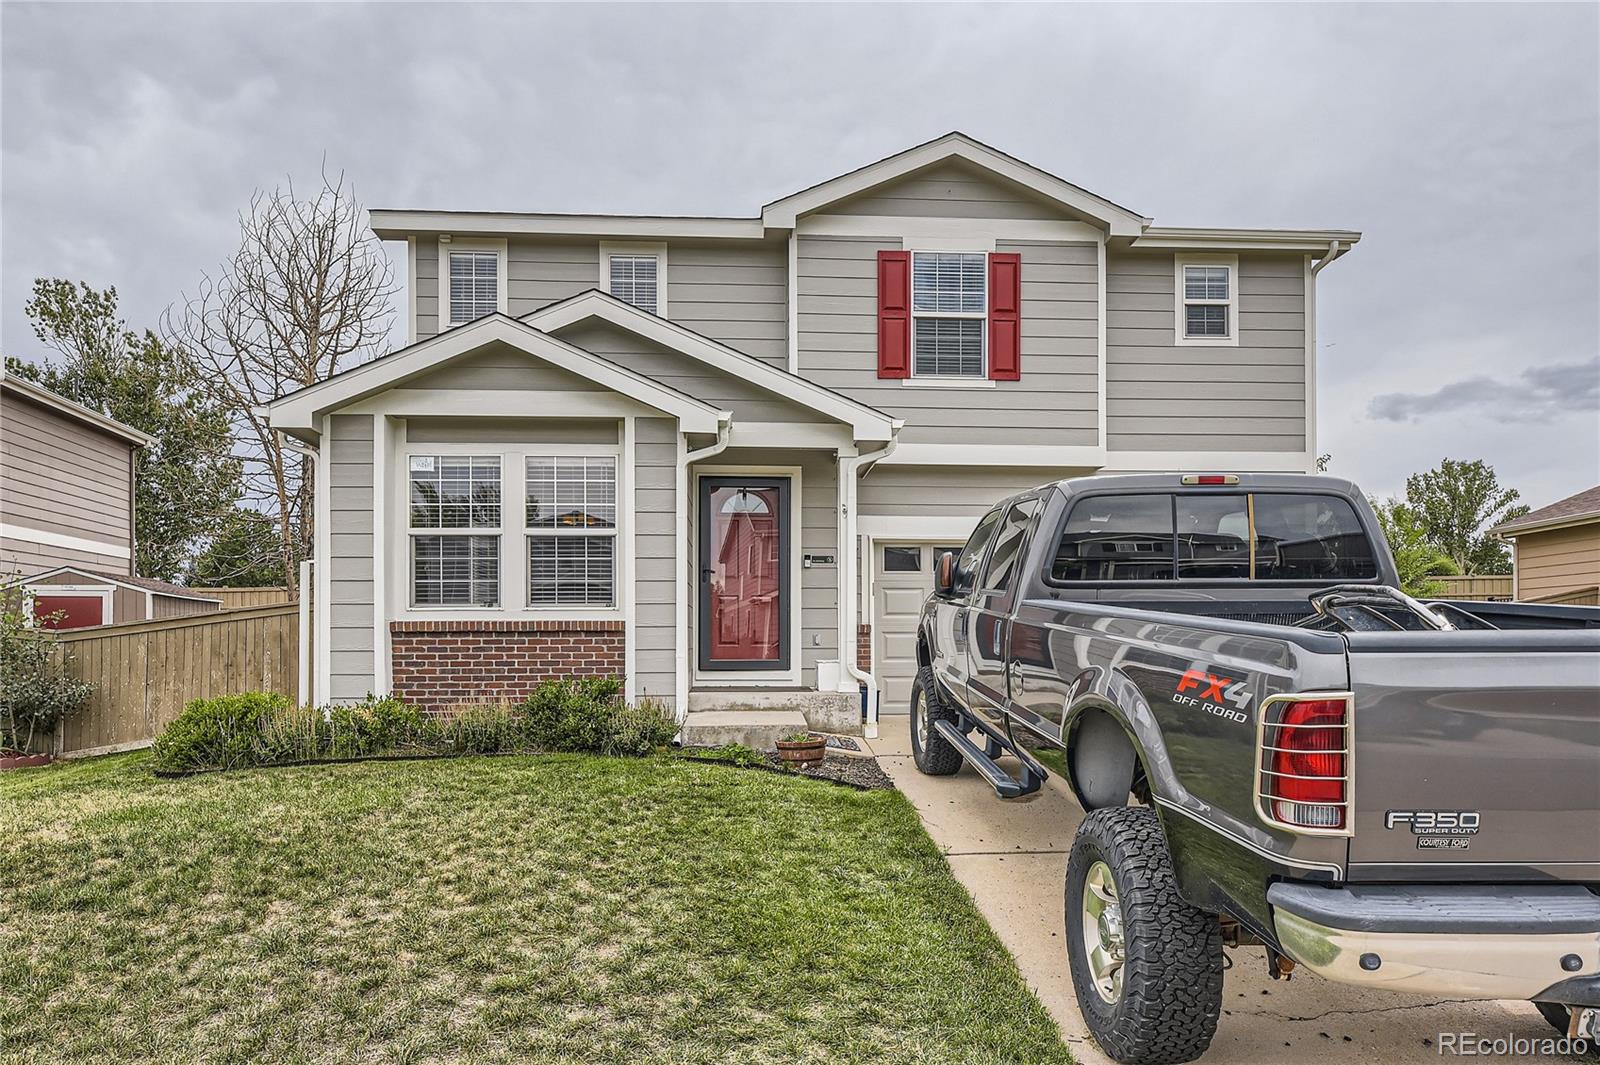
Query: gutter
point(1336, 248)
point(850, 594)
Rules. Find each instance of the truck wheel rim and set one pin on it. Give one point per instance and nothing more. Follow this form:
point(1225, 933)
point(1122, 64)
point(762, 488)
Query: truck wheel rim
point(1102, 932)
point(919, 719)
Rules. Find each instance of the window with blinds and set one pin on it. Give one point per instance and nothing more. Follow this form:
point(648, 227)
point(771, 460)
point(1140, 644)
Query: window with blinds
point(474, 285)
point(1207, 302)
point(949, 309)
point(455, 512)
point(635, 279)
point(571, 519)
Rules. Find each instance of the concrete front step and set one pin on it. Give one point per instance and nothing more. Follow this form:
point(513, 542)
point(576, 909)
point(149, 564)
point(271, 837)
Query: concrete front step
point(761, 729)
point(836, 712)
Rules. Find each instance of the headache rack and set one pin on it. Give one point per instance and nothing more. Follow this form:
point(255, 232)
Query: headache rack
point(1380, 608)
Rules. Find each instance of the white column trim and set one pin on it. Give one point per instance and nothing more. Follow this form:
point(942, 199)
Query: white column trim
point(1311, 360)
point(681, 594)
point(322, 552)
point(794, 301)
point(1100, 352)
point(382, 677)
point(626, 588)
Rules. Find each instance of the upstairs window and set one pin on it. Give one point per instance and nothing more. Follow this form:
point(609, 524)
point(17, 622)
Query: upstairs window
point(474, 279)
point(1206, 300)
point(636, 274)
point(949, 314)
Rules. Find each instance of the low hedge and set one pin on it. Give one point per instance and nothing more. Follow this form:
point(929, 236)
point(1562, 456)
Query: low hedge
point(262, 728)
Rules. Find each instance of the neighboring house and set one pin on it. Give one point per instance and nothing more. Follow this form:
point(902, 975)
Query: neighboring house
point(1555, 551)
point(66, 513)
point(712, 453)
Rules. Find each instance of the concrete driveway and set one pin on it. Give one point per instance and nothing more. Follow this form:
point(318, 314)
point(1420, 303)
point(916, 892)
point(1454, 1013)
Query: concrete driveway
point(1012, 857)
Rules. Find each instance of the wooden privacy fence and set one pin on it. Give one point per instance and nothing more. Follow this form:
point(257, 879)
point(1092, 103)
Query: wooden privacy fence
point(234, 598)
point(1479, 587)
point(145, 672)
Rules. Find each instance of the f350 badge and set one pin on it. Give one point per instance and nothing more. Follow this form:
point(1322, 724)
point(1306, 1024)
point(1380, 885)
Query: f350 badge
point(1212, 693)
point(1443, 830)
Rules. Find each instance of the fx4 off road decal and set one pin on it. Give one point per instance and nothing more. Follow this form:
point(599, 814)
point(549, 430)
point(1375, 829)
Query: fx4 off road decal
point(1217, 695)
point(1441, 830)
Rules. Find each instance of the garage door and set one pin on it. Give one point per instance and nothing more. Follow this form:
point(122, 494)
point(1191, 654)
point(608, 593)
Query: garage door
point(902, 579)
point(69, 611)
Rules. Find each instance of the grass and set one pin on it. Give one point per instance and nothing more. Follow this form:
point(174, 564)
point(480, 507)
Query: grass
point(558, 908)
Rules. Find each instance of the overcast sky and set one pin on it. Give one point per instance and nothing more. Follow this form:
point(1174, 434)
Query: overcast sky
point(1462, 140)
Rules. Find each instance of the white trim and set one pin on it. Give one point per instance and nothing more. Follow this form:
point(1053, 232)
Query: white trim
point(393, 224)
point(658, 252)
point(98, 579)
point(1119, 220)
point(788, 434)
point(1310, 309)
point(411, 289)
point(302, 409)
point(626, 597)
point(382, 451)
point(103, 592)
point(1100, 342)
point(792, 284)
point(683, 586)
point(76, 411)
point(1051, 455)
point(308, 577)
point(1516, 568)
point(866, 422)
point(448, 244)
point(1209, 462)
point(322, 537)
point(754, 678)
point(1181, 237)
point(916, 528)
point(932, 233)
point(960, 380)
point(949, 382)
point(1563, 521)
point(73, 543)
point(1179, 322)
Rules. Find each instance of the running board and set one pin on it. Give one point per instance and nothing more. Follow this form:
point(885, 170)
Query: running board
point(983, 758)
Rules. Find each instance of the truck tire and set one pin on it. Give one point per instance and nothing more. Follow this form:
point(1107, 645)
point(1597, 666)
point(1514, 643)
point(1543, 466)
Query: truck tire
point(933, 754)
point(1160, 1001)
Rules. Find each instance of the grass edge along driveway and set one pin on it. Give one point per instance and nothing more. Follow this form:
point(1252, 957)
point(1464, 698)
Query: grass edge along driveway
point(550, 908)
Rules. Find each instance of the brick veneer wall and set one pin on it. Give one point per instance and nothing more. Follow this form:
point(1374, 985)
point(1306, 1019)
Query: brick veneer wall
point(440, 663)
point(864, 648)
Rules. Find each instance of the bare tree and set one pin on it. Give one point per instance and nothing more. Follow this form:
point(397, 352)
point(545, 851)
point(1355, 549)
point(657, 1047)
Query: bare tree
point(306, 295)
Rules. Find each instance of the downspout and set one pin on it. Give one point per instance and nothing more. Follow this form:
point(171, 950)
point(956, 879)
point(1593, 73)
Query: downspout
point(1335, 250)
point(685, 585)
point(850, 593)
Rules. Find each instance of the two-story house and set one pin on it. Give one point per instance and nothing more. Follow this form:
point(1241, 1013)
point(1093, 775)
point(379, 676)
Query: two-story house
point(712, 453)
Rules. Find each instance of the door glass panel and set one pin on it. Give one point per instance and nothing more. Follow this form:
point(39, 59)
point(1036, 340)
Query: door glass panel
point(1007, 546)
point(972, 554)
point(744, 586)
point(1213, 537)
point(1116, 538)
point(902, 559)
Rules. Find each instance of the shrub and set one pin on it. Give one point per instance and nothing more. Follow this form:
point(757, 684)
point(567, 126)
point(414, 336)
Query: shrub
point(35, 690)
point(639, 729)
point(571, 715)
point(220, 733)
point(373, 725)
point(291, 734)
point(481, 729)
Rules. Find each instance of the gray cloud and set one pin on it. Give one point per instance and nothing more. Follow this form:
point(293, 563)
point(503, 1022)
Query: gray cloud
point(1537, 395)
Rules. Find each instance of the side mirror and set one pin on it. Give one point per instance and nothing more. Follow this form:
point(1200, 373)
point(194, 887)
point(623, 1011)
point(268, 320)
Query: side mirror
point(944, 573)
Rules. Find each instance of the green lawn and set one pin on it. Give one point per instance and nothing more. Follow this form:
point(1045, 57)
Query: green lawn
point(557, 908)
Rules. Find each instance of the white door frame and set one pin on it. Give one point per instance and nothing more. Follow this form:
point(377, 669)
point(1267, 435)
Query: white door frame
point(746, 678)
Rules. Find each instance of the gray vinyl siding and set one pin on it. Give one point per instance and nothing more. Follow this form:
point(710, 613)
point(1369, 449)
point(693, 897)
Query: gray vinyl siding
point(60, 476)
point(26, 556)
point(748, 402)
point(425, 301)
point(503, 367)
point(655, 451)
point(350, 598)
point(511, 431)
point(1164, 397)
point(890, 489)
point(951, 190)
point(545, 271)
point(1055, 402)
point(733, 292)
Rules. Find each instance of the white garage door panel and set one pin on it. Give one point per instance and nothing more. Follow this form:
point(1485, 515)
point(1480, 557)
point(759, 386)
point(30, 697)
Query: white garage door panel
point(898, 603)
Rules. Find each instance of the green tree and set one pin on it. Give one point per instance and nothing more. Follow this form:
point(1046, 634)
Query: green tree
point(1417, 559)
point(245, 553)
point(187, 481)
point(1456, 505)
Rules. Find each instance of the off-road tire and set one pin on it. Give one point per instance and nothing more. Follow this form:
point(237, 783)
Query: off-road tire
point(936, 757)
point(1172, 978)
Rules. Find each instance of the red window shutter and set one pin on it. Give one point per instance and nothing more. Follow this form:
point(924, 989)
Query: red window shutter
point(894, 314)
point(1005, 316)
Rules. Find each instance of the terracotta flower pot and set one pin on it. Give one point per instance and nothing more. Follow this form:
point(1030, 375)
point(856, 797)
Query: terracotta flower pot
point(17, 760)
point(803, 753)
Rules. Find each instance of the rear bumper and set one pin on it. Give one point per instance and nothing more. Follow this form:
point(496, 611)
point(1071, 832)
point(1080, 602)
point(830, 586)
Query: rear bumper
point(1466, 941)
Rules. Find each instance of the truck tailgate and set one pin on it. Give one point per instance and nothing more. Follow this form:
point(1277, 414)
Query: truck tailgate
point(1477, 756)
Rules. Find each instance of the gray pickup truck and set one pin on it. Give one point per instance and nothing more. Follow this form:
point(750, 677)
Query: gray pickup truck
point(1273, 746)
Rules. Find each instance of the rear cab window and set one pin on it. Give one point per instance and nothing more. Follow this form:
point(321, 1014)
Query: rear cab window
point(1213, 536)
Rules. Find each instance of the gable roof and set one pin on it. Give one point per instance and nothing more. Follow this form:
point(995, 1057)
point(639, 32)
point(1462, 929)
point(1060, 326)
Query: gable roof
point(300, 410)
point(1118, 220)
point(1579, 509)
point(138, 584)
point(866, 423)
point(76, 411)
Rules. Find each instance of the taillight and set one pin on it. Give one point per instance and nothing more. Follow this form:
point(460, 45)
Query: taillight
point(1304, 761)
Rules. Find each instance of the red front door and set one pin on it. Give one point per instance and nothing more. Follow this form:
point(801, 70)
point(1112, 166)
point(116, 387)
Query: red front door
point(744, 548)
point(69, 611)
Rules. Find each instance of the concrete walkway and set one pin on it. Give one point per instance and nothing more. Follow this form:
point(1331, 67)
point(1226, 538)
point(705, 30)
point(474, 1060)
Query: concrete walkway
point(1012, 857)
